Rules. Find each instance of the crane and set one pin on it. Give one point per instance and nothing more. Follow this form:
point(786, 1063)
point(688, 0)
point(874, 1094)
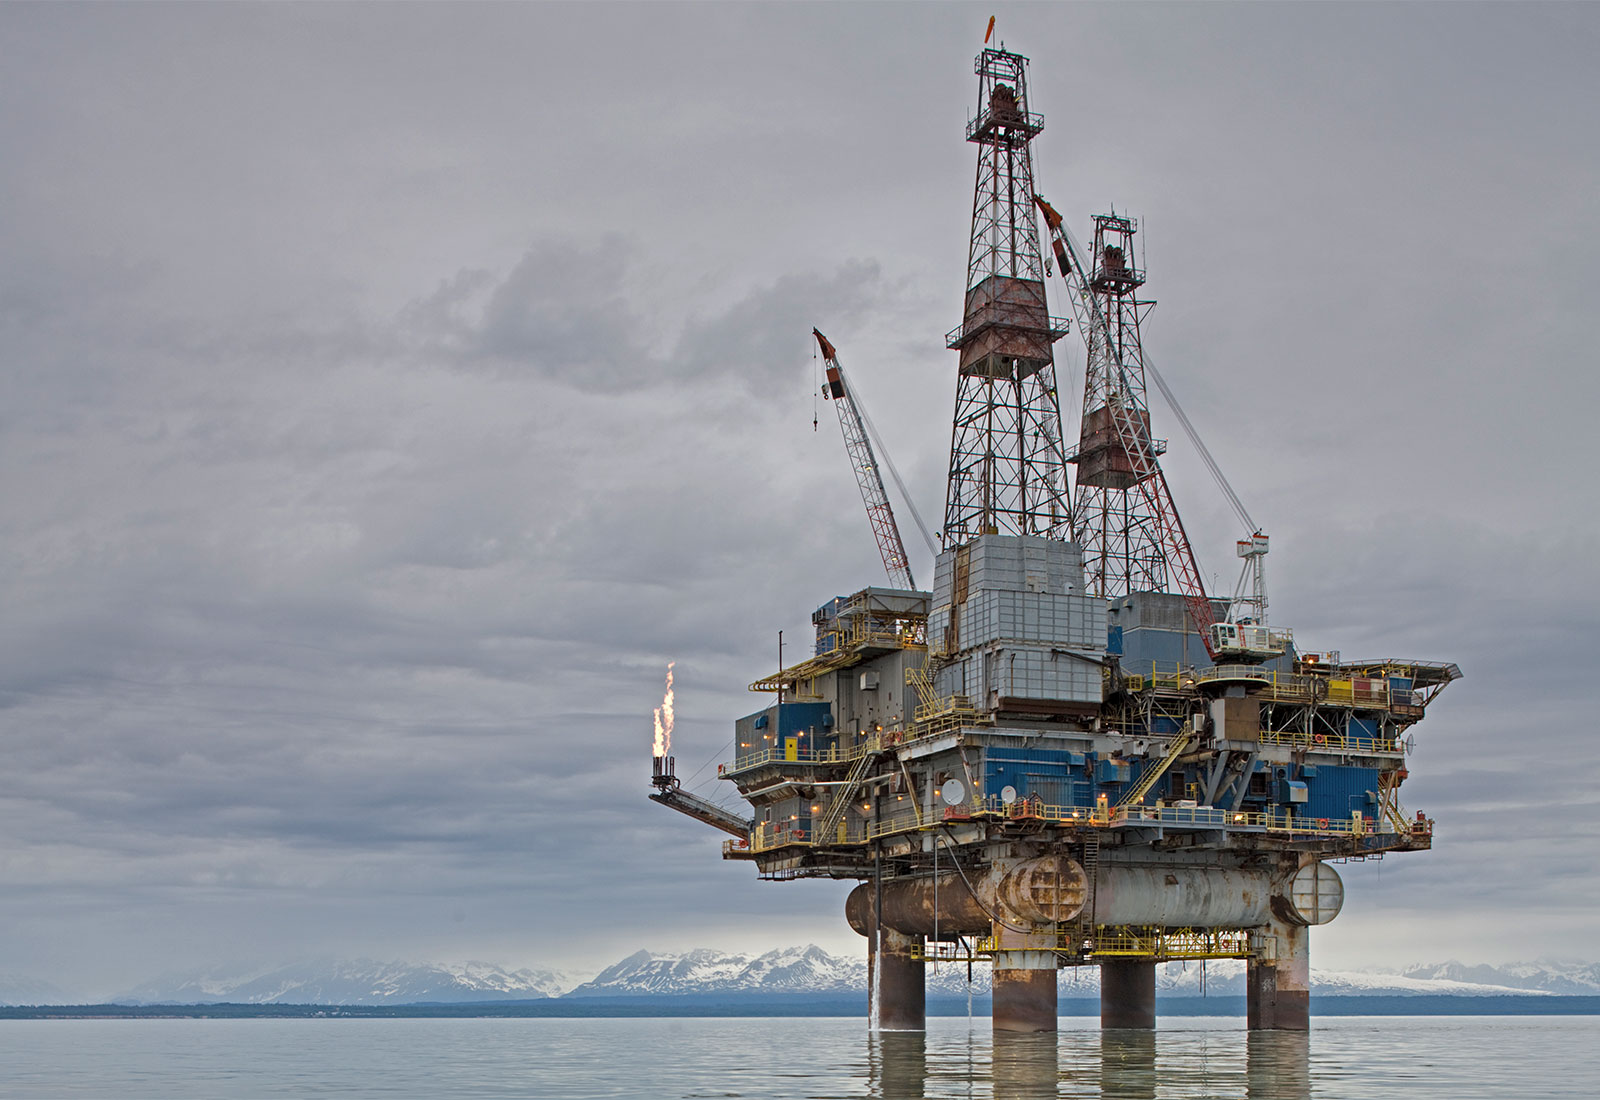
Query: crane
point(858, 443)
point(1131, 424)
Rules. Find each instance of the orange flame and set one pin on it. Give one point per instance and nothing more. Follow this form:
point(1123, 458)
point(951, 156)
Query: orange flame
point(664, 718)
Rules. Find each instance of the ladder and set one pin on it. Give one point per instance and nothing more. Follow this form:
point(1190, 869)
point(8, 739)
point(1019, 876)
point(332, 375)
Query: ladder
point(830, 822)
point(1148, 780)
point(1082, 929)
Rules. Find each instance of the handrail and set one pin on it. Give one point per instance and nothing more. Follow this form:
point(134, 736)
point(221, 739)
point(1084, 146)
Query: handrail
point(1174, 750)
point(1149, 941)
point(952, 715)
point(766, 836)
point(867, 746)
point(1331, 742)
point(1369, 691)
point(867, 628)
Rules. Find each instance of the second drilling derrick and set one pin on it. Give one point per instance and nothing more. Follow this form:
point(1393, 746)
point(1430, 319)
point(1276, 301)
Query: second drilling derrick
point(1066, 754)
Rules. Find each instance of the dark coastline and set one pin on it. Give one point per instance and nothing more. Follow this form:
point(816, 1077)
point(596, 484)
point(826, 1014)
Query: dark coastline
point(614, 1007)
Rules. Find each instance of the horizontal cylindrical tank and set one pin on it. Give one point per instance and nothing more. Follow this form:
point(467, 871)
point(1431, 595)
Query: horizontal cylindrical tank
point(1049, 890)
point(1314, 896)
point(1182, 897)
point(908, 906)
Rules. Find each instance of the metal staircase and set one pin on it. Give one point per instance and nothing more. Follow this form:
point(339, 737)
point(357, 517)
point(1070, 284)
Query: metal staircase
point(1148, 780)
point(825, 832)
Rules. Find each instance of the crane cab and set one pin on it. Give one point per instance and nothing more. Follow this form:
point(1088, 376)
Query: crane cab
point(1248, 642)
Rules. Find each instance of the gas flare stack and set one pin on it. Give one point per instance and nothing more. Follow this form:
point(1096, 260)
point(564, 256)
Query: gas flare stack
point(1068, 754)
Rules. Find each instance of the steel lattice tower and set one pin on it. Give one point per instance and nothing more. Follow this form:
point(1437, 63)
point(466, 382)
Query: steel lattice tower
point(1122, 505)
point(1007, 469)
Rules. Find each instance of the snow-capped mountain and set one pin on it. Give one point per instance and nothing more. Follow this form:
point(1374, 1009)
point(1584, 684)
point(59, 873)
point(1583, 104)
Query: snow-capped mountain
point(1223, 977)
point(812, 970)
point(786, 970)
point(1544, 976)
point(351, 982)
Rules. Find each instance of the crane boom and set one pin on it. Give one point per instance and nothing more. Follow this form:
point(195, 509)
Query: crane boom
point(1133, 432)
point(859, 446)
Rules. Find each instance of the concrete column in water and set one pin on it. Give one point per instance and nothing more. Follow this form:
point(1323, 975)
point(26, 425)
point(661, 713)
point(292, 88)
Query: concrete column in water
point(1278, 979)
point(1024, 981)
point(1128, 994)
point(895, 982)
point(1278, 983)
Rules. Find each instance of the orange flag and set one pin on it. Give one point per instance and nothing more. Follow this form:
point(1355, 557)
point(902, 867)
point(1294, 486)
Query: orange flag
point(988, 32)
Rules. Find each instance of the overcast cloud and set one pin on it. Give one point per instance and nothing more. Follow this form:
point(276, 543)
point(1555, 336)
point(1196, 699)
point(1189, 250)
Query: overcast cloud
point(392, 391)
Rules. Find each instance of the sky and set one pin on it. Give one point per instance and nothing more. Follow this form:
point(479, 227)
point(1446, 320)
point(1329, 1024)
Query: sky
point(390, 392)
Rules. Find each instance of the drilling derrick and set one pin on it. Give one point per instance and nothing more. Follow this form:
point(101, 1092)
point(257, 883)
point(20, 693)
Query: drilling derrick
point(1118, 530)
point(1007, 474)
point(1031, 766)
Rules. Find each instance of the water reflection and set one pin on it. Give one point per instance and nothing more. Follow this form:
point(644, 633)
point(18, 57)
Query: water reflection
point(1025, 1067)
point(1128, 1065)
point(1278, 1065)
point(897, 1065)
point(1091, 1065)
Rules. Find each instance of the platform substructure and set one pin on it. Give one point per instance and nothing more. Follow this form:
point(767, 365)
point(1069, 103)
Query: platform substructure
point(1024, 991)
point(1127, 994)
point(1278, 985)
point(896, 979)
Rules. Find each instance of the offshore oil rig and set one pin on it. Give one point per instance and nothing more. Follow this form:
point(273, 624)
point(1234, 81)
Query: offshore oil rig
point(1067, 753)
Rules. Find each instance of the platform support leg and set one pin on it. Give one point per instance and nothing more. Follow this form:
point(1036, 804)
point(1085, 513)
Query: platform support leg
point(1128, 994)
point(897, 994)
point(1278, 981)
point(1024, 990)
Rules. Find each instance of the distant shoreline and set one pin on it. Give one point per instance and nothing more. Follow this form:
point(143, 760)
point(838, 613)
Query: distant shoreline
point(767, 1006)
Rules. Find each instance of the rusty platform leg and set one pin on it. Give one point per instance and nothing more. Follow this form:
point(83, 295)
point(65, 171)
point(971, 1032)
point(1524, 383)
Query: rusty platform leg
point(1278, 989)
point(1128, 994)
point(896, 991)
point(1025, 991)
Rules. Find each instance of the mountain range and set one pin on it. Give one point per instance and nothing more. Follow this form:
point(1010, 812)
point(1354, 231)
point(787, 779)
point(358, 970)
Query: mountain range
point(794, 971)
point(349, 982)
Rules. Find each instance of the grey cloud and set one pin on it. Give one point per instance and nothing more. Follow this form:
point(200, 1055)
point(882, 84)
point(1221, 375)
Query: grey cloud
point(567, 313)
point(755, 341)
point(562, 312)
point(348, 534)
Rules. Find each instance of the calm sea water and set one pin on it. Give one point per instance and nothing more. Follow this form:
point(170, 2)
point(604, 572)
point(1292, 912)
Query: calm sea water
point(1349, 1058)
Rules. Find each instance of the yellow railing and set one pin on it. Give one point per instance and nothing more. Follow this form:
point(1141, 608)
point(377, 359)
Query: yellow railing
point(863, 628)
point(1117, 941)
point(767, 837)
point(780, 756)
point(951, 720)
point(872, 743)
point(1212, 817)
point(1140, 941)
point(938, 951)
point(935, 713)
point(1277, 686)
point(1330, 742)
